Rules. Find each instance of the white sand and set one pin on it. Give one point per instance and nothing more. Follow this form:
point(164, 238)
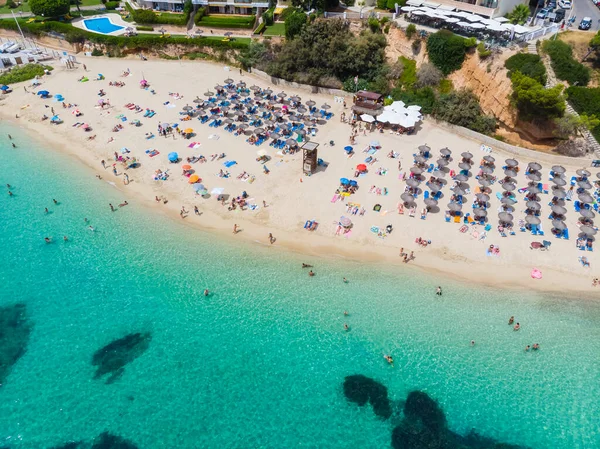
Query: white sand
point(292, 198)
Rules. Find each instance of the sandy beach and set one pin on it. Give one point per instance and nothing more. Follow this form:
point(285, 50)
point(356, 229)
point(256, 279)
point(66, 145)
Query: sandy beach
point(291, 198)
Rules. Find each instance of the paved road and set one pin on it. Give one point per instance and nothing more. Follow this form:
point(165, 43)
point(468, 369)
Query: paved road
point(585, 8)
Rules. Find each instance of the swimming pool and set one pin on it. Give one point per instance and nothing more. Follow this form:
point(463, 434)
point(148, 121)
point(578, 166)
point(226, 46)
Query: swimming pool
point(101, 25)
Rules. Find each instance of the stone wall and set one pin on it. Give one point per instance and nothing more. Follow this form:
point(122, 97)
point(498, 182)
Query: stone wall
point(524, 153)
point(306, 87)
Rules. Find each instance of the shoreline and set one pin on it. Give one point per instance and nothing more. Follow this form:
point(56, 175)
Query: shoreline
point(440, 260)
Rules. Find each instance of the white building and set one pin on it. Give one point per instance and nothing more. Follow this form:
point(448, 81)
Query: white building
point(486, 8)
point(245, 7)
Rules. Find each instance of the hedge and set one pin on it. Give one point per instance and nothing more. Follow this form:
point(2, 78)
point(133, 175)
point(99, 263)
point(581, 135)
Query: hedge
point(565, 66)
point(111, 6)
point(213, 21)
point(528, 64)
point(141, 42)
point(144, 28)
point(586, 100)
point(259, 29)
point(23, 73)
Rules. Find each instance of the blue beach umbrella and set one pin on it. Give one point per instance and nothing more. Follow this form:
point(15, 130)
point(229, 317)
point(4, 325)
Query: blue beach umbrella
point(173, 157)
point(4, 87)
point(348, 149)
point(43, 93)
point(353, 183)
point(199, 188)
point(375, 143)
point(55, 118)
point(344, 181)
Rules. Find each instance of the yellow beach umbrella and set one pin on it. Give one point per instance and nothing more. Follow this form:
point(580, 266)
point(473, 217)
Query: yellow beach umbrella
point(193, 179)
point(189, 131)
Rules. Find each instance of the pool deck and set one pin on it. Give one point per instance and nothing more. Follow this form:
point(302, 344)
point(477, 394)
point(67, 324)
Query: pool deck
point(114, 18)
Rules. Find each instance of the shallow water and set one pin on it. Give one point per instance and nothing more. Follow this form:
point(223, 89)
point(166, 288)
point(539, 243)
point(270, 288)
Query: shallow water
point(260, 362)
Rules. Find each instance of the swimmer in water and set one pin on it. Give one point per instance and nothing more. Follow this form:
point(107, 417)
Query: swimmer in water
point(536, 346)
point(91, 228)
point(345, 281)
point(65, 238)
point(13, 145)
point(46, 210)
point(346, 328)
point(304, 265)
point(511, 320)
point(54, 201)
point(389, 359)
point(472, 342)
point(345, 313)
point(310, 273)
point(527, 348)
point(10, 193)
point(48, 239)
point(438, 291)
point(206, 292)
point(517, 327)
point(125, 203)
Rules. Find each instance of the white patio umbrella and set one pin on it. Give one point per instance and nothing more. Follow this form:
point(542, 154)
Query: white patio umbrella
point(473, 18)
point(501, 19)
point(367, 118)
point(451, 19)
point(414, 107)
point(477, 26)
point(408, 8)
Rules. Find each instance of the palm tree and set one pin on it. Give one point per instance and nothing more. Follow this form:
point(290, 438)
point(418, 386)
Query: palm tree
point(519, 14)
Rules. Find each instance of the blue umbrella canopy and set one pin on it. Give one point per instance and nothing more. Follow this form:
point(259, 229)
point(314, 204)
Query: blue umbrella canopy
point(344, 181)
point(55, 118)
point(199, 187)
point(348, 149)
point(353, 183)
point(43, 92)
point(173, 156)
point(4, 87)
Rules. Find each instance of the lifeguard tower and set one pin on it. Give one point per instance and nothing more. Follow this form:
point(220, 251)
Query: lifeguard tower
point(309, 158)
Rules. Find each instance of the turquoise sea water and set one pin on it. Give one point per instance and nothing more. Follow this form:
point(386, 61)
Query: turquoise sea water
point(261, 362)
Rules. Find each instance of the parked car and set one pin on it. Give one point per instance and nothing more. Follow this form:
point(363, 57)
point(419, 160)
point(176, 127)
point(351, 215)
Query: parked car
point(559, 15)
point(551, 5)
point(585, 24)
point(565, 4)
point(543, 13)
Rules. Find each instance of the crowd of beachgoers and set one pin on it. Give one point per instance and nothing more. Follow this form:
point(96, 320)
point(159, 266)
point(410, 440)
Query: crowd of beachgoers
point(230, 150)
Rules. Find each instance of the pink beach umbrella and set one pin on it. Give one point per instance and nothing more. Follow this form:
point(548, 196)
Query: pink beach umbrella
point(536, 274)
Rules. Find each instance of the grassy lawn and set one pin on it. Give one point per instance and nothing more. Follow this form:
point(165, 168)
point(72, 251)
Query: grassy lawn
point(277, 29)
point(90, 2)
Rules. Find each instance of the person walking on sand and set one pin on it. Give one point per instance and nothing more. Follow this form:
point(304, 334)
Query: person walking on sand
point(183, 212)
point(125, 178)
point(235, 229)
point(196, 210)
point(103, 162)
point(84, 68)
point(271, 238)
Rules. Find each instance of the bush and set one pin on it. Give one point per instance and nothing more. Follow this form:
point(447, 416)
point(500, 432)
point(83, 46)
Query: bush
point(528, 64)
point(287, 12)
point(411, 30)
point(586, 101)
point(199, 14)
point(482, 51)
point(23, 73)
point(144, 28)
point(386, 29)
point(268, 17)
point(294, 23)
point(97, 52)
point(564, 65)
point(408, 78)
point(534, 102)
point(49, 8)
point(11, 4)
point(445, 86)
point(381, 4)
point(429, 75)
point(446, 51)
point(373, 24)
point(111, 6)
point(144, 16)
point(462, 108)
point(416, 46)
point(424, 97)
